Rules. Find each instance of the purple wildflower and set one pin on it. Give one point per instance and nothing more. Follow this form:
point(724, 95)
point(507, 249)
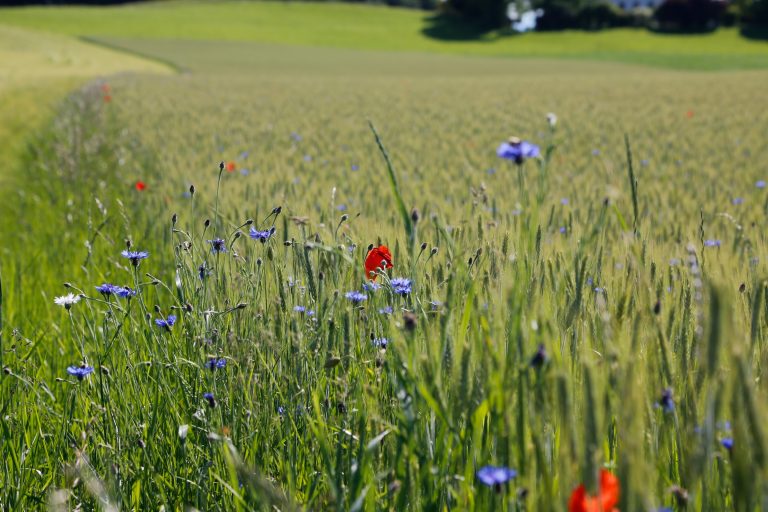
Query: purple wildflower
point(666, 401)
point(356, 297)
point(125, 292)
point(80, 372)
point(517, 150)
point(401, 285)
point(539, 358)
point(218, 245)
point(107, 289)
point(494, 476)
point(262, 236)
point(166, 322)
point(135, 256)
point(213, 363)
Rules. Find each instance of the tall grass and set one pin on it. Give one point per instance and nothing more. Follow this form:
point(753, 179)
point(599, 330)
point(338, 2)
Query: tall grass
point(310, 410)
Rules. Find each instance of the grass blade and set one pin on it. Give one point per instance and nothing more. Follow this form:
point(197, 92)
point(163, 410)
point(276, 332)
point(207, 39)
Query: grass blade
point(409, 231)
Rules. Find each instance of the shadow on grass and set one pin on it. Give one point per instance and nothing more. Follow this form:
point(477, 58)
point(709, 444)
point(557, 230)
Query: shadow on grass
point(759, 32)
point(446, 27)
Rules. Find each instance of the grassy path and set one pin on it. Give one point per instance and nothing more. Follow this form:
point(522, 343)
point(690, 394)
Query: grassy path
point(36, 71)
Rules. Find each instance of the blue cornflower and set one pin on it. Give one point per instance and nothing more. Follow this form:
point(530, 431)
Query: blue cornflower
point(342, 207)
point(401, 285)
point(727, 443)
point(493, 476)
point(491, 171)
point(356, 297)
point(736, 201)
point(518, 150)
point(296, 137)
point(80, 372)
point(370, 286)
point(563, 230)
point(214, 363)
point(262, 236)
point(211, 399)
point(760, 184)
point(711, 243)
point(135, 256)
point(125, 292)
point(564, 201)
point(218, 245)
point(107, 289)
point(280, 410)
point(539, 358)
point(304, 310)
point(595, 152)
point(666, 401)
point(166, 322)
point(355, 167)
point(386, 310)
point(380, 342)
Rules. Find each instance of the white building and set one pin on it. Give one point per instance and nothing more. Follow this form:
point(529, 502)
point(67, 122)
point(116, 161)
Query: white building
point(637, 4)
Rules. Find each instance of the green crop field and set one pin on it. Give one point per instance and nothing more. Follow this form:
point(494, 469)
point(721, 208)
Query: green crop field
point(602, 306)
point(382, 28)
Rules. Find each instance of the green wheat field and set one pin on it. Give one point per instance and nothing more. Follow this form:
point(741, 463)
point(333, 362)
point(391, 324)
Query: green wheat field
point(601, 306)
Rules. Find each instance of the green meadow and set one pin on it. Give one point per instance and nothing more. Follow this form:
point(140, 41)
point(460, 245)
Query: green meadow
point(602, 306)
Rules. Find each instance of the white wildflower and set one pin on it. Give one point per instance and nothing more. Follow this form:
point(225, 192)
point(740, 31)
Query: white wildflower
point(67, 300)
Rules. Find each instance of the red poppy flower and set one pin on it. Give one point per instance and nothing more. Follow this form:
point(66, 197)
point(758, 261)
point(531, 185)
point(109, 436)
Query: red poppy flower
point(689, 114)
point(230, 166)
point(378, 257)
point(105, 88)
point(107, 98)
point(605, 501)
point(140, 185)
